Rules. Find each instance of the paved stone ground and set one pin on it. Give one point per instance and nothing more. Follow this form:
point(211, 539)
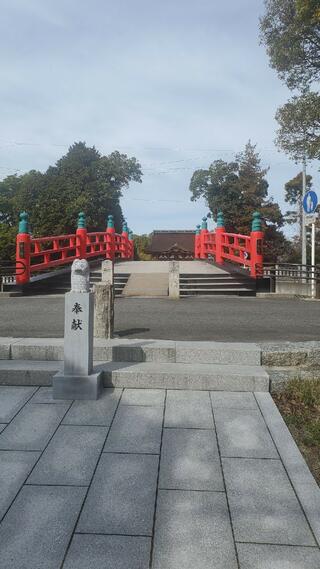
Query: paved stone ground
point(153, 478)
point(224, 319)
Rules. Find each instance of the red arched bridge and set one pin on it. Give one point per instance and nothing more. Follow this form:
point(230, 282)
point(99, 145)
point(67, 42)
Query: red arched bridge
point(41, 254)
point(40, 257)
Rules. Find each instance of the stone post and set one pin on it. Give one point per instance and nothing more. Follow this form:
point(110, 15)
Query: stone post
point(103, 310)
point(174, 285)
point(77, 380)
point(104, 302)
point(107, 272)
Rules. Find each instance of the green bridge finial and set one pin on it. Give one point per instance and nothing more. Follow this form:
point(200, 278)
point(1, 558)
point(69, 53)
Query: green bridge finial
point(198, 230)
point(24, 222)
point(220, 219)
point(81, 220)
point(124, 227)
point(110, 222)
point(130, 234)
point(256, 222)
point(204, 224)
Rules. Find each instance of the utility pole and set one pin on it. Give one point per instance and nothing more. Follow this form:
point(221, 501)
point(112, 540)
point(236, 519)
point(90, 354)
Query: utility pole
point(303, 219)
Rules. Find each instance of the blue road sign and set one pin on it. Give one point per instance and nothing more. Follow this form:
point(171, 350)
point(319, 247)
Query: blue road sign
point(310, 202)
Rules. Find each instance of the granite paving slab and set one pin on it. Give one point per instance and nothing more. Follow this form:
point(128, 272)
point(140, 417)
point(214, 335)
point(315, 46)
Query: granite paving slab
point(70, 457)
point(96, 413)
point(135, 430)
point(253, 556)
point(193, 531)
point(243, 433)
point(3, 426)
point(44, 395)
point(233, 400)
point(190, 460)
point(108, 552)
point(263, 505)
point(32, 428)
point(36, 530)
point(188, 409)
point(12, 399)
point(14, 469)
point(121, 498)
point(143, 397)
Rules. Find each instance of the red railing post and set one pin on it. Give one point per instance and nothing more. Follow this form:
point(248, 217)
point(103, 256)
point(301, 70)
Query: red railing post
point(110, 249)
point(23, 249)
point(124, 241)
point(197, 243)
point(219, 230)
point(81, 237)
point(131, 245)
point(256, 245)
point(203, 237)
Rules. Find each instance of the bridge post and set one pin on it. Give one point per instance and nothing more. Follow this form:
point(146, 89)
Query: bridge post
point(131, 244)
point(23, 249)
point(124, 244)
point(110, 249)
point(81, 237)
point(203, 234)
point(256, 244)
point(197, 243)
point(219, 230)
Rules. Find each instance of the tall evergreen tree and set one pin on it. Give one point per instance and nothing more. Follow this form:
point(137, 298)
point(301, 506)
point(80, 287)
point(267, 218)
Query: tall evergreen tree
point(82, 180)
point(238, 189)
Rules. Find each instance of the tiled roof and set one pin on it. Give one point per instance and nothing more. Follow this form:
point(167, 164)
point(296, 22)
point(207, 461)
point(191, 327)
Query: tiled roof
point(164, 240)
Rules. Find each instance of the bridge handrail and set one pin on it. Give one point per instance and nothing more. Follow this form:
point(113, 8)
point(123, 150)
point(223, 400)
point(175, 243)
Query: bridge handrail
point(64, 249)
point(245, 250)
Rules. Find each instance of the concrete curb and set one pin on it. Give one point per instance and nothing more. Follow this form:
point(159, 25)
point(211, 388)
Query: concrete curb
point(303, 483)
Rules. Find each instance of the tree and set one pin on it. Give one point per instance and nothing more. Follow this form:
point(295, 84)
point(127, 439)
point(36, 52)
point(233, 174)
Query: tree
point(290, 30)
point(82, 180)
point(299, 121)
point(141, 244)
point(238, 189)
point(293, 196)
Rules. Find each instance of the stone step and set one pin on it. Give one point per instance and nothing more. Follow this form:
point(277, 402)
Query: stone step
point(186, 376)
point(146, 375)
point(127, 350)
point(218, 291)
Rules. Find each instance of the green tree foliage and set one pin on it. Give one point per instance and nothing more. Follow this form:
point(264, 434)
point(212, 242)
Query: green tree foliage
point(141, 244)
point(238, 189)
point(299, 122)
point(82, 180)
point(290, 30)
point(293, 196)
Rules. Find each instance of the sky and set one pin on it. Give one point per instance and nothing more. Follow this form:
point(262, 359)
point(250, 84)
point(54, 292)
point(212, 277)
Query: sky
point(175, 83)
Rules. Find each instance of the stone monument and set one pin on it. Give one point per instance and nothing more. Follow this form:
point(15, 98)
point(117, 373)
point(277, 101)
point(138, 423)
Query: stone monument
point(104, 303)
point(77, 381)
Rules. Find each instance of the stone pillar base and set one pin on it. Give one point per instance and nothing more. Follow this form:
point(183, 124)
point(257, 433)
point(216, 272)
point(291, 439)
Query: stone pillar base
point(85, 387)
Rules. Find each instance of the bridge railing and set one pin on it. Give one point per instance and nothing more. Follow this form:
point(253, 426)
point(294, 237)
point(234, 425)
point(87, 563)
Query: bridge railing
point(46, 253)
point(244, 250)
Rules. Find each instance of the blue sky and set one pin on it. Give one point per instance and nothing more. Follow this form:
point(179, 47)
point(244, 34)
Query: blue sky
point(176, 83)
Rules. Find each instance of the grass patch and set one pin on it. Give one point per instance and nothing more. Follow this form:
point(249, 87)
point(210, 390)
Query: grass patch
point(299, 405)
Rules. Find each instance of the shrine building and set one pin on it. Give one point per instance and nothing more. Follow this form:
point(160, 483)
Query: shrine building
point(172, 245)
